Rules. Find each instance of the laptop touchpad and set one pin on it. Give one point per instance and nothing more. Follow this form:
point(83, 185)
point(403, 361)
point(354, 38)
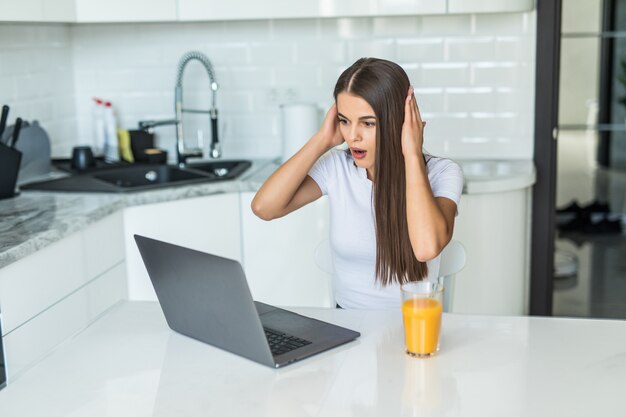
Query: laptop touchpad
point(291, 323)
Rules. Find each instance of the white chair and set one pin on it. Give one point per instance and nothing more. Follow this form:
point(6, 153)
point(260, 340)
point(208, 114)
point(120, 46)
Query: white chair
point(452, 262)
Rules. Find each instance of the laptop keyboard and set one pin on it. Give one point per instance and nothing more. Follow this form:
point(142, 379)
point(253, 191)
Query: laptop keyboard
point(282, 343)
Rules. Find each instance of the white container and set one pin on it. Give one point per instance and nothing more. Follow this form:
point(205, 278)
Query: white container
point(111, 152)
point(98, 126)
point(298, 123)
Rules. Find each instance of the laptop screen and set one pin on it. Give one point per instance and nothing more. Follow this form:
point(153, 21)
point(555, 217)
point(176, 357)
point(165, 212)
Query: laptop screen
point(3, 373)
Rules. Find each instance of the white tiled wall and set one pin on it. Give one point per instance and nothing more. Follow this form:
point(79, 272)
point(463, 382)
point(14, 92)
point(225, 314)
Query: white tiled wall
point(36, 78)
point(474, 75)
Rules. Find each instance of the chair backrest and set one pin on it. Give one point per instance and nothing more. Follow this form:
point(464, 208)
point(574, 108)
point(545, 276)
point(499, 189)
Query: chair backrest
point(452, 261)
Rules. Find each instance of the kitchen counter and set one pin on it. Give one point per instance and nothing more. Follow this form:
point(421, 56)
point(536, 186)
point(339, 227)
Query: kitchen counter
point(36, 219)
point(128, 363)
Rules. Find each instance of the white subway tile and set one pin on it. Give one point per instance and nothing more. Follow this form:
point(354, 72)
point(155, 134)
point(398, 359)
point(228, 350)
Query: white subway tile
point(296, 76)
point(250, 78)
point(228, 53)
point(446, 25)
point(282, 30)
point(395, 26)
point(14, 62)
point(329, 76)
point(473, 74)
point(205, 32)
point(376, 48)
point(499, 23)
point(272, 53)
point(7, 88)
point(420, 50)
point(346, 28)
point(470, 100)
point(314, 52)
point(430, 100)
point(27, 87)
point(514, 48)
point(513, 100)
point(144, 105)
point(246, 30)
point(43, 109)
point(138, 56)
point(413, 71)
point(249, 125)
point(470, 49)
point(500, 74)
point(237, 101)
point(445, 75)
point(64, 107)
point(5, 36)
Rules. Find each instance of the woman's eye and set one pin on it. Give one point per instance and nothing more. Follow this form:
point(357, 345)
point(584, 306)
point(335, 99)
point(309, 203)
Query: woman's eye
point(370, 124)
point(342, 121)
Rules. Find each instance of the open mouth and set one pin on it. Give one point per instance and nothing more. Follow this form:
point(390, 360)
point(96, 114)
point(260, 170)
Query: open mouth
point(358, 153)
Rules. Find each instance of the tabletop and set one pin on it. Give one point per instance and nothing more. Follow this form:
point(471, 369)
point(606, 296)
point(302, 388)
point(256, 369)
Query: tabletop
point(129, 363)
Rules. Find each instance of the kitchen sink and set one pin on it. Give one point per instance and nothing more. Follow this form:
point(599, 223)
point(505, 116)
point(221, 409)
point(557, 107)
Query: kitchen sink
point(221, 169)
point(144, 177)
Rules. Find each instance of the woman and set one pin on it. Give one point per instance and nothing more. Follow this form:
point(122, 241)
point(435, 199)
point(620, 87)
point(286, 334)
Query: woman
point(392, 207)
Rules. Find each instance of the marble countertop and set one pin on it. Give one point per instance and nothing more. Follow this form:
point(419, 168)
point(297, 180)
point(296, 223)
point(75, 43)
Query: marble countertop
point(36, 219)
point(128, 363)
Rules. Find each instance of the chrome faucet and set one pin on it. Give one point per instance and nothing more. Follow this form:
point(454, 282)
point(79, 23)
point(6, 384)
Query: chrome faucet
point(182, 153)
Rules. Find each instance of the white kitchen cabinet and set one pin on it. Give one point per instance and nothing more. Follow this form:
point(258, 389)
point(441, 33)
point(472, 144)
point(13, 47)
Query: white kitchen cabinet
point(37, 11)
point(21, 11)
point(125, 11)
point(191, 10)
point(34, 339)
point(490, 6)
point(53, 293)
point(279, 255)
point(494, 228)
point(208, 224)
point(59, 10)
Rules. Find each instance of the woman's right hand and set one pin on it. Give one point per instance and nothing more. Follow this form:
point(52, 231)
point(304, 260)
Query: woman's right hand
point(329, 133)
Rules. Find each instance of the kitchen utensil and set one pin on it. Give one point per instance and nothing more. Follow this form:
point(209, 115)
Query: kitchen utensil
point(16, 131)
point(3, 119)
point(82, 158)
point(9, 168)
point(154, 156)
point(140, 140)
point(34, 144)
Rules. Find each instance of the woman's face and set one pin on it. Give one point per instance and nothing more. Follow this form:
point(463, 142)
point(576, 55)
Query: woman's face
point(357, 123)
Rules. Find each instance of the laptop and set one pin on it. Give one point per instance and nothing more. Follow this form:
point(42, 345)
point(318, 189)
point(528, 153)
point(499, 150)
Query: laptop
point(207, 297)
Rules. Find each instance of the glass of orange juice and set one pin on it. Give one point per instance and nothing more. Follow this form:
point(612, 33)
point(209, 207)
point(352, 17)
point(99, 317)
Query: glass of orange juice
point(422, 306)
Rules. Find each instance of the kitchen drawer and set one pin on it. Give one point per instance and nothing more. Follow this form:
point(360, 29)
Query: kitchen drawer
point(104, 244)
point(38, 337)
point(34, 283)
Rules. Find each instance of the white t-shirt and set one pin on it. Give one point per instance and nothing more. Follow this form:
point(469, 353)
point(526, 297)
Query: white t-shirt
point(352, 230)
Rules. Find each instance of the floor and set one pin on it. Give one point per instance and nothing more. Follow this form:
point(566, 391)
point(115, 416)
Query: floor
point(595, 285)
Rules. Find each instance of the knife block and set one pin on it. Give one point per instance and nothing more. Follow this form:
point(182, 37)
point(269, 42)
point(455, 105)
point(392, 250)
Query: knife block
point(9, 168)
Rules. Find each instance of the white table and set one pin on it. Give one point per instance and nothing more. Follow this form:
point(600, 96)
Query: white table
point(128, 363)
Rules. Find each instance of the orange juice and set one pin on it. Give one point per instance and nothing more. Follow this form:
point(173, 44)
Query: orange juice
point(422, 322)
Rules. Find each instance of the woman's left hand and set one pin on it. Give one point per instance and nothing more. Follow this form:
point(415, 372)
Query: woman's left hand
point(412, 128)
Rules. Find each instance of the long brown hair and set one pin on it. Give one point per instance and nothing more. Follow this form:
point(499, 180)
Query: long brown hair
point(384, 85)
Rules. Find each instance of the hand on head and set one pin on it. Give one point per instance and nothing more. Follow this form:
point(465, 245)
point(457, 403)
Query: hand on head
point(329, 132)
point(413, 127)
